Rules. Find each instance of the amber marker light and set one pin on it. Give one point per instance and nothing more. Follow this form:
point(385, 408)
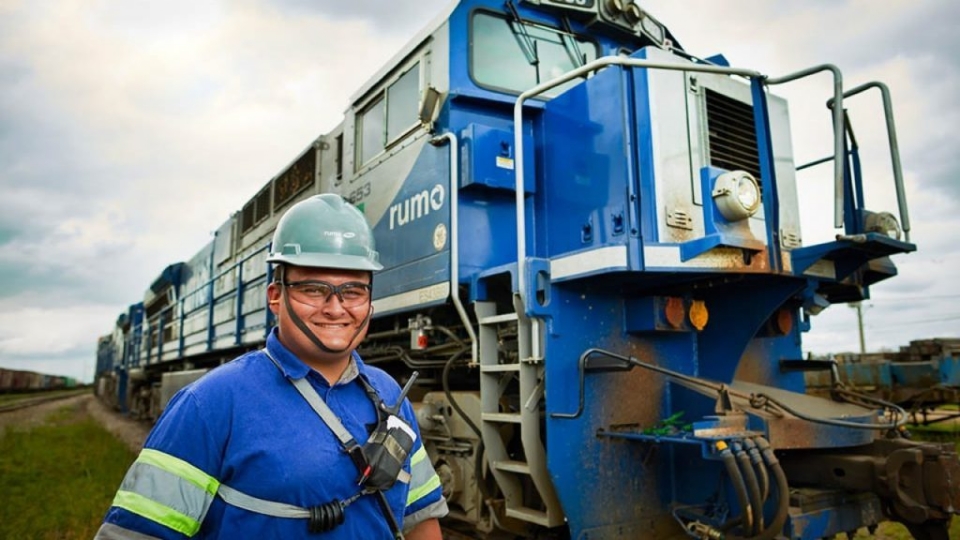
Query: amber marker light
point(699, 316)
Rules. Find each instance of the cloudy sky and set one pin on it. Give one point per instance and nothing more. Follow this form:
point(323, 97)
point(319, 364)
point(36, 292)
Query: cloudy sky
point(130, 130)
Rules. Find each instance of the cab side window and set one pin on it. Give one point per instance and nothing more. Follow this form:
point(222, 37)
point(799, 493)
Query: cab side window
point(388, 116)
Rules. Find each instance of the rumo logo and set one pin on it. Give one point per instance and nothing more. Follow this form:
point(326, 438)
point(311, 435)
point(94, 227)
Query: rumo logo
point(348, 235)
point(417, 206)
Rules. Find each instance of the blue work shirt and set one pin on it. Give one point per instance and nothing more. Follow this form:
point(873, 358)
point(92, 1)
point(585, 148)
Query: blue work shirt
point(246, 426)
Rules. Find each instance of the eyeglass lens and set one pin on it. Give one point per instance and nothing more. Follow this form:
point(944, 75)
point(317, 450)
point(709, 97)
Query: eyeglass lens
point(350, 294)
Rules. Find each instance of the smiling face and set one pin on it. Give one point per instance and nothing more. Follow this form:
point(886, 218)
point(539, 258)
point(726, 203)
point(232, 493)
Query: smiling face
point(339, 328)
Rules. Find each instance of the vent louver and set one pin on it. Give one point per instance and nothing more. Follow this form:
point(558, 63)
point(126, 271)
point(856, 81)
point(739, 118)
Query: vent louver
point(733, 136)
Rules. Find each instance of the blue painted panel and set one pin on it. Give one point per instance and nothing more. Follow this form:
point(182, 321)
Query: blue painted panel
point(586, 167)
point(736, 316)
point(622, 477)
point(170, 277)
point(406, 231)
point(488, 158)
point(915, 374)
point(866, 374)
point(488, 231)
point(414, 275)
point(122, 390)
point(413, 235)
point(488, 226)
point(853, 513)
point(950, 371)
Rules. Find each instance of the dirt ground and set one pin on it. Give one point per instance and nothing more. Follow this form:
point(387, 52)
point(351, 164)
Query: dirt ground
point(131, 432)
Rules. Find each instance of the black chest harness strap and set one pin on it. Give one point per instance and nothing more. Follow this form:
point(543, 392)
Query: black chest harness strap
point(389, 449)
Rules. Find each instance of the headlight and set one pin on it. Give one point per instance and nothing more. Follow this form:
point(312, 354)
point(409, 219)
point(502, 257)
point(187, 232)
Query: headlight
point(737, 195)
point(614, 6)
point(632, 12)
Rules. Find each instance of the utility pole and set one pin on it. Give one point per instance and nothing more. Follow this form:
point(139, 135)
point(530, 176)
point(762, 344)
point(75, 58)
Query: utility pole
point(859, 307)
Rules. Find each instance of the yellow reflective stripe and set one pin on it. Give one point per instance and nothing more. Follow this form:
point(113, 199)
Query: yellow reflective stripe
point(418, 456)
point(154, 511)
point(180, 468)
point(423, 490)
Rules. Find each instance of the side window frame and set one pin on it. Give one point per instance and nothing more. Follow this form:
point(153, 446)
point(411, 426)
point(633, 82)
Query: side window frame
point(582, 39)
point(381, 94)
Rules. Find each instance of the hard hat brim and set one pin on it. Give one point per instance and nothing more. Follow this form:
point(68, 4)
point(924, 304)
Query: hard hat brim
point(327, 260)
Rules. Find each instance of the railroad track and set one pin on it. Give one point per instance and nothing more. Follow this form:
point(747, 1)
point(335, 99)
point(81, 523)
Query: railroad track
point(38, 400)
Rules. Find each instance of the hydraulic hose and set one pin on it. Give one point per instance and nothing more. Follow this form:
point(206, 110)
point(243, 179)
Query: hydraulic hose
point(739, 487)
point(753, 487)
point(783, 491)
point(759, 468)
point(783, 495)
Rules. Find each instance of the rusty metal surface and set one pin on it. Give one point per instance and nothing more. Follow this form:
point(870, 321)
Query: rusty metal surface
point(790, 432)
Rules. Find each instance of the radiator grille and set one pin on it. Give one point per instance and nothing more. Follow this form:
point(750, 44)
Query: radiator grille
point(733, 136)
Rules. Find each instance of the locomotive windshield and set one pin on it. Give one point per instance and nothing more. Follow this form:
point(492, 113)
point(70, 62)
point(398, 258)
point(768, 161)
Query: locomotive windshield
point(514, 55)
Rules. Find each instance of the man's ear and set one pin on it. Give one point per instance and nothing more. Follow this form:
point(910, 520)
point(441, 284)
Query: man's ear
point(273, 297)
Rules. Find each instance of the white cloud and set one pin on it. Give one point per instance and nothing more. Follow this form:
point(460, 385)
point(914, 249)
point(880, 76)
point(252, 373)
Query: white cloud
point(131, 131)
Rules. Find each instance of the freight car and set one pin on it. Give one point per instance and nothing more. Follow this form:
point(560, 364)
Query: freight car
point(593, 255)
point(920, 377)
point(13, 380)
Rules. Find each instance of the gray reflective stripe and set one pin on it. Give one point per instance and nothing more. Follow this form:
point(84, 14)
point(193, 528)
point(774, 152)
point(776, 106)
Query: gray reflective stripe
point(423, 479)
point(309, 394)
point(109, 531)
point(421, 470)
point(260, 506)
point(155, 485)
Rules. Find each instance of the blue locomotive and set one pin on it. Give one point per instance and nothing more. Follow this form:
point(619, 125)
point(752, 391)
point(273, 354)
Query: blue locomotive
point(593, 256)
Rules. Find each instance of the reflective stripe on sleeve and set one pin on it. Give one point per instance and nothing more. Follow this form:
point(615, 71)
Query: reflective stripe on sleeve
point(154, 511)
point(180, 468)
point(168, 491)
point(423, 479)
point(417, 457)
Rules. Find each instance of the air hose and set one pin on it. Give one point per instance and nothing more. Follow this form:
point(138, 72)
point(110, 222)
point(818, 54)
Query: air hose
point(753, 487)
point(739, 487)
point(759, 467)
point(783, 495)
point(752, 518)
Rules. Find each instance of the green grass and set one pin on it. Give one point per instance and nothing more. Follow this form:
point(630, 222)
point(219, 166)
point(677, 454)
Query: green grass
point(944, 431)
point(896, 531)
point(59, 477)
